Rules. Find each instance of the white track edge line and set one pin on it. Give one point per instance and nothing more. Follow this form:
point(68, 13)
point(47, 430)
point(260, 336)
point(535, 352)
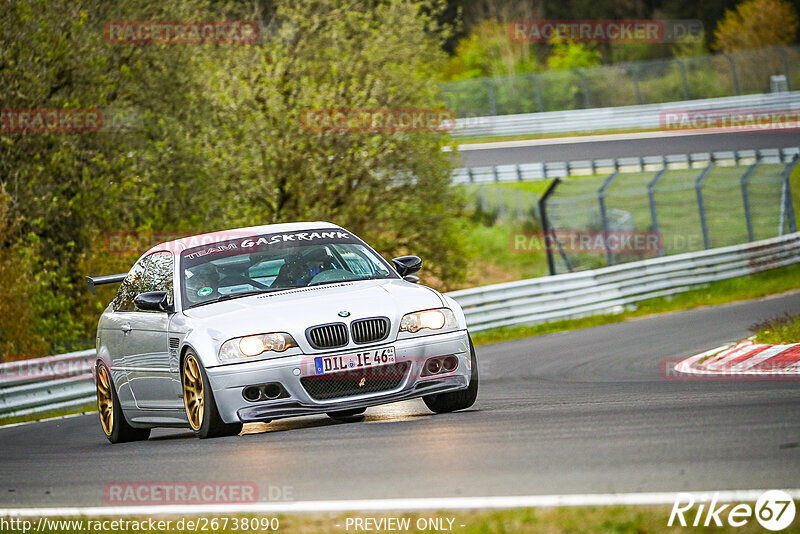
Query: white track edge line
point(413, 504)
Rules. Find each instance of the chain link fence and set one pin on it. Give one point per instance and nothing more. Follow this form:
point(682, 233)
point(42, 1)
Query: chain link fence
point(690, 205)
point(649, 82)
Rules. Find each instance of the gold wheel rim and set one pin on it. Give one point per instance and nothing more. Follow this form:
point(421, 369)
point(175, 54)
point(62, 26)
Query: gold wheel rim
point(193, 391)
point(105, 400)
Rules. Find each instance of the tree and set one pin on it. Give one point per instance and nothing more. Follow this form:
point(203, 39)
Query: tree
point(756, 24)
point(393, 188)
point(569, 55)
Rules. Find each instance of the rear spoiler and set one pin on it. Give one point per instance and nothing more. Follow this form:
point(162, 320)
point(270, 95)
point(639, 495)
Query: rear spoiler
point(107, 279)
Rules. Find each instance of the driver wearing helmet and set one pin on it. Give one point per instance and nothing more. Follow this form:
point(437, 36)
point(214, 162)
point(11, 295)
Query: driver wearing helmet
point(303, 267)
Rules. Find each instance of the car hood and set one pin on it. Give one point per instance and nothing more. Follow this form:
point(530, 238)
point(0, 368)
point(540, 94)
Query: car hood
point(294, 310)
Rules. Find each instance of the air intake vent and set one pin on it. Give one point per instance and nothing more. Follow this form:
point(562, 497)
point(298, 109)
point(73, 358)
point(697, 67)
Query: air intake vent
point(327, 336)
point(370, 330)
point(174, 342)
point(356, 382)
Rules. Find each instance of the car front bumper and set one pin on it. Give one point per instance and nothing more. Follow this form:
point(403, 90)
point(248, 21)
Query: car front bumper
point(229, 381)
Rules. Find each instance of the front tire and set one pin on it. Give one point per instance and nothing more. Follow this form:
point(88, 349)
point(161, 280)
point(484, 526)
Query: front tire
point(198, 399)
point(112, 420)
point(457, 400)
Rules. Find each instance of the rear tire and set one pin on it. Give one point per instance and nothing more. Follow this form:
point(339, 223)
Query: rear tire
point(198, 399)
point(456, 400)
point(344, 415)
point(112, 420)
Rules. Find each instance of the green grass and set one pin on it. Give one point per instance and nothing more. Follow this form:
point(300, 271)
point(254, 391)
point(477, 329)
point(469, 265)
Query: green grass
point(778, 330)
point(526, 137)
point(564, 520)
point(88, 408)
point(736, 289)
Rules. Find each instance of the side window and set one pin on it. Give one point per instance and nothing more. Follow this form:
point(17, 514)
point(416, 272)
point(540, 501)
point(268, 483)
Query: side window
point(130, 287)
point(158, 274)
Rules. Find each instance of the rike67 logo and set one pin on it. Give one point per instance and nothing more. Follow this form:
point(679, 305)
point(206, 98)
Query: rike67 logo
point(774, 510)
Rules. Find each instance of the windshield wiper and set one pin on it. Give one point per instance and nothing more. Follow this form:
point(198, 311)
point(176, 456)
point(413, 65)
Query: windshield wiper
point(230, 296)
point(342, 281)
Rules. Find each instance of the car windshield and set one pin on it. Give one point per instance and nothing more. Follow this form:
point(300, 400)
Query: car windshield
point(275, 262)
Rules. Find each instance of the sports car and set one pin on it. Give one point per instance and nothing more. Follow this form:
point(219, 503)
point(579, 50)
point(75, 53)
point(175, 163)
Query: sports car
point(216, 330)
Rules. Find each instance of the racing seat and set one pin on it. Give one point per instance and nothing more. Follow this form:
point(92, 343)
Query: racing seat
point(300, 269)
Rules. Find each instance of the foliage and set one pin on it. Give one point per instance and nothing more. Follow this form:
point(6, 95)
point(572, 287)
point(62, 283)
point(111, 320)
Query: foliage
point(212, 140)
point(488, 51)
point(756, 24)
point(778, 330)
point(570, 55)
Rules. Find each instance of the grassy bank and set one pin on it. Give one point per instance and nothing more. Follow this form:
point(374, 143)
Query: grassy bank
point(88, 408)
point(779, 330)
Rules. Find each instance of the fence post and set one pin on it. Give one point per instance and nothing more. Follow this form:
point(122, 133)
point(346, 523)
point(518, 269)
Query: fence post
point(538, 88)
point(651, 197)
point(448, 102)
point(748, 217)
point(501, 203)
point(787, 206)
point(635, 77)
point(698, 186)
point(587, 100)
point(492, 98)
point(551, 267)
point(601, 198)
point(734, 75)
point(682, 67)
point(785, 61)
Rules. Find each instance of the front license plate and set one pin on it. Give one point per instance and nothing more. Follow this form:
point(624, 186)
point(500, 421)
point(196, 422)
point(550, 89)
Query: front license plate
point(354, 360)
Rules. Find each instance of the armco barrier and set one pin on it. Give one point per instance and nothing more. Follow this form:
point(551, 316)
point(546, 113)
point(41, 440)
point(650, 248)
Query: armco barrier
point(524, 172)
point(646, 116)
point(65, 381)
point(44, 384)
point(609, 289)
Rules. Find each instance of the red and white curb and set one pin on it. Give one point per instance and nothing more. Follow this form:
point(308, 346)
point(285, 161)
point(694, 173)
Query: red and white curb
point(746, 358)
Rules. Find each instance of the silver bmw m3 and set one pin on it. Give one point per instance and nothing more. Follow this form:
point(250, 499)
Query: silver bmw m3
point(216, 330)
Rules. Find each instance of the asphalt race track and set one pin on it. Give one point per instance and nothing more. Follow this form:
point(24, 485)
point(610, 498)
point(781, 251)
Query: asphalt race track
point(642, 146)
point(579, 412)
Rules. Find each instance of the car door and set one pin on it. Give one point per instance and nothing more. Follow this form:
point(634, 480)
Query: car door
point(116, 328)
point(152, 369)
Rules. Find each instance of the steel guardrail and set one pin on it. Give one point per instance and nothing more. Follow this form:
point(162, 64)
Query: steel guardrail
point(523, 172)
point(610, 289)
point(44, 384)
point(66, 381)
point(640, 117)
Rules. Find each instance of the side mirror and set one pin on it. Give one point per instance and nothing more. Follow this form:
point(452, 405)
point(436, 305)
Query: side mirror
point(407, 265)
point(153, 301)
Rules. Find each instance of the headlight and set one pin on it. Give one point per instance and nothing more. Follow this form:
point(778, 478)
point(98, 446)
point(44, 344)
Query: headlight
point(432, 319)
point(249, 346)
